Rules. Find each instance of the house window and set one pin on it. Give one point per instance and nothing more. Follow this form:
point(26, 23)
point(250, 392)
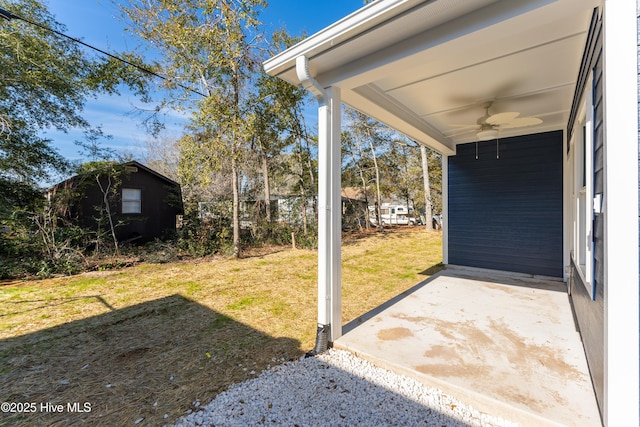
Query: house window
point(131, 201)
point(582, 143)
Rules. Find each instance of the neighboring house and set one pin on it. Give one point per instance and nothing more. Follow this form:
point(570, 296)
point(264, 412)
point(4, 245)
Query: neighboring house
point(533, 106)
point(290, 209)
point(145, 204)
point(284, 209)
point(287, 209)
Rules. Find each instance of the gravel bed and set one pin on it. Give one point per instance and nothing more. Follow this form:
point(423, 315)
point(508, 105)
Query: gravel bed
point(335, 388)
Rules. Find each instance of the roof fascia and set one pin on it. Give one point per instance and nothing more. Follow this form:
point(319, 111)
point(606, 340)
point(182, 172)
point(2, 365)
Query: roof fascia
point(151, 171)
point(344, 29)
point(129, 163)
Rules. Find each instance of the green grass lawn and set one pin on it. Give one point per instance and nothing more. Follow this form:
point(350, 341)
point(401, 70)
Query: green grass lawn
point(152, 339)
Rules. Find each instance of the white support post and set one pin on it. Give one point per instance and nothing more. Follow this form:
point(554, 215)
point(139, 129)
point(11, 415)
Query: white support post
point(621, 312)
point(329, 214)
point(324, 197)
point(336, 214)
point(445, 210)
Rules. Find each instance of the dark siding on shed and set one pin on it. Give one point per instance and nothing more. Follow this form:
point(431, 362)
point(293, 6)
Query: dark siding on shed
point(506, 213)
point(160, 206)
point(161, 202)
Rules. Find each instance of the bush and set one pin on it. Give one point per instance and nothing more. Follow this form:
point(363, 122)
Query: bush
point(279, 233)
point(38, 244)
point(200, 237)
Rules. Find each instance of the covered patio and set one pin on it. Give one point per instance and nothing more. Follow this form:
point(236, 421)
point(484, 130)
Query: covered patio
point(503, 343)
point(533, 106)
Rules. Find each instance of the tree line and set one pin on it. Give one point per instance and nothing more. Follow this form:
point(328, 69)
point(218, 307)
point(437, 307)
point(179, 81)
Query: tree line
point(246, 138)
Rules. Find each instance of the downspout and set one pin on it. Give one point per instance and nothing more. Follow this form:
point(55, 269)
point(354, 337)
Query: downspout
point(312, 85)
point(308, 82)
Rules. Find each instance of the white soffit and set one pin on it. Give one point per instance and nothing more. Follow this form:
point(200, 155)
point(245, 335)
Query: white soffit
point(378, 25)
point(422, 66)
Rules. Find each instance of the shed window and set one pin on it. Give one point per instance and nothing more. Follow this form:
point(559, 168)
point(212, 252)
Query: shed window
point(131, 201)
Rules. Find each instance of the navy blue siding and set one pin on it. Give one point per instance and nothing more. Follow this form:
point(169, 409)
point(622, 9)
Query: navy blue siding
point(506, 213)
point(589, 312)
point(590, 317)
point(598, 167)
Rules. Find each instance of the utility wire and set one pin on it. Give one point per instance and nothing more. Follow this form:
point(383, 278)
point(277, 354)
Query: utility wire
point(9, 16)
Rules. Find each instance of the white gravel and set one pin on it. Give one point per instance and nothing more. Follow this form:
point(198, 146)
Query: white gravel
point(335, 388)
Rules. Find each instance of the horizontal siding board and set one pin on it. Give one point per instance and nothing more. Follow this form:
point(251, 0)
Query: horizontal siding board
point(484, 254)
point(590, 317)
point(598, 154)
point(506, 213)
point(509, 263)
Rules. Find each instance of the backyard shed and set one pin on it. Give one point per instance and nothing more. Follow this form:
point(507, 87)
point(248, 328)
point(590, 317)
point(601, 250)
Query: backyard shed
point(143, 204)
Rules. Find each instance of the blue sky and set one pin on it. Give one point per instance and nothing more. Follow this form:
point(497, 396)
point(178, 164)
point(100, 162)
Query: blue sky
point(98, 23)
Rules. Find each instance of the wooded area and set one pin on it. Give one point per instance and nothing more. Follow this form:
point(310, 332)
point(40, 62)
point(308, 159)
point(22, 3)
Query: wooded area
point(246, 147)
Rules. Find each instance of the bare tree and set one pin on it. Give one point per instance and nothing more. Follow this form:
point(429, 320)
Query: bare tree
point(369, 132)
point(427, 189)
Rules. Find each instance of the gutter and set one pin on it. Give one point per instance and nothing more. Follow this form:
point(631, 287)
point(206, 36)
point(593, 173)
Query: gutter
point(347, 28)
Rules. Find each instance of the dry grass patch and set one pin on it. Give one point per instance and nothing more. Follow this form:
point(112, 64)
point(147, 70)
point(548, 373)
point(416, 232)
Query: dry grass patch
point(150, 340)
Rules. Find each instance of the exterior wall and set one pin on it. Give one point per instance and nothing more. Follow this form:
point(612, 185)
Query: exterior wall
point(589, 311)
point(590, 317)
point(159, 207)
point(506, 213)
point(598, 162)
point(161, 202)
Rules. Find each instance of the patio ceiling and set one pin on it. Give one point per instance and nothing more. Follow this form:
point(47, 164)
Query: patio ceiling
point(422, 67)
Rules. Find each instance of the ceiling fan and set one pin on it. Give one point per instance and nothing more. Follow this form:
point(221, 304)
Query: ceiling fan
point(488, 126)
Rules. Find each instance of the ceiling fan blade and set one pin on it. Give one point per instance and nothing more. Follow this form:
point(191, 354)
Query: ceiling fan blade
point(468, 125)
point(460, 132)
point(521, 122)
point(502, 118)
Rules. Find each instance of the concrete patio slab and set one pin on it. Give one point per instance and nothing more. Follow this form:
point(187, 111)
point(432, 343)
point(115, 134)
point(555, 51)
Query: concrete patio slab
point(505, 344)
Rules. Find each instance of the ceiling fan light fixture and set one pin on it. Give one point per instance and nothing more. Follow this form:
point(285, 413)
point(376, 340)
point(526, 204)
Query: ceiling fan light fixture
point(487, 135)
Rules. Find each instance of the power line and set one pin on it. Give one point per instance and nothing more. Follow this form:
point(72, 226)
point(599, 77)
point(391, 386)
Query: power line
point(10, 16)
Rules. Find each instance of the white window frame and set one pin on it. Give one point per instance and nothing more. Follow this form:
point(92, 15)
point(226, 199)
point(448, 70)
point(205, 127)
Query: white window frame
point(131, 201)
point(582, 192)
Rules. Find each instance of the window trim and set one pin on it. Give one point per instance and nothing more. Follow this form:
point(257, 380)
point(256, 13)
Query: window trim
point(582, 249)
point(126, 200)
